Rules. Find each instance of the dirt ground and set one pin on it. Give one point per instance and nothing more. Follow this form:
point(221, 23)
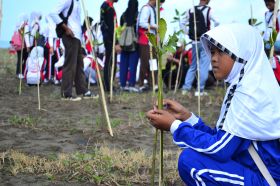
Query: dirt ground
point(68, 127)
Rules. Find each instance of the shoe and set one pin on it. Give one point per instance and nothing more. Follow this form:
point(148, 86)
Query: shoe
point(185, 92)
point(56, 82)
point(20, 76)
point(71, 98)
point(156, 88)
point(143, 88)
point(203, 93)
point(133, 89)
point(46, 81)
point(124, 89)
point(90, 95)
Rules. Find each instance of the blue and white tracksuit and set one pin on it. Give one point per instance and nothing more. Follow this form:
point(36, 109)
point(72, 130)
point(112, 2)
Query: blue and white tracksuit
point(216, 157)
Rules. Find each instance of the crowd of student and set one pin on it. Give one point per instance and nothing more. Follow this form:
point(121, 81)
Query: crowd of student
point(61, 59)
point(249, 117)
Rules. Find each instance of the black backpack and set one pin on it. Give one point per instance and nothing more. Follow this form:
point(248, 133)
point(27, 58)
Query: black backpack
point(59, 30)
point(201, 23)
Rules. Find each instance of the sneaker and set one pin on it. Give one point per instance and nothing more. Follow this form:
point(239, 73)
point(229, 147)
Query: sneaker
point(56, 82)
point(20, 76)
point(90, 95)
point(133, 89)
point(156, 88)
point(143, 88)
point(71, 98)
point(46, 81)
point(203, 93)
point(185, 92)
point(126, 89)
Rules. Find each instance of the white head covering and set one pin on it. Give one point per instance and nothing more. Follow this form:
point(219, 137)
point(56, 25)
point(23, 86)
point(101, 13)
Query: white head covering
point(34, 18)
point(23, 18)
point(251, 108)
point(50, 27)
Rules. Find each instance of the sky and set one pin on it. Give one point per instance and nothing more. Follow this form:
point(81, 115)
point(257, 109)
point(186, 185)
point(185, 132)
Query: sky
point(226, 11)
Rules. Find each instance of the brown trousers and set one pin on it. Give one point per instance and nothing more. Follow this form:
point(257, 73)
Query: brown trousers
point(145, 73)
point(73, 68)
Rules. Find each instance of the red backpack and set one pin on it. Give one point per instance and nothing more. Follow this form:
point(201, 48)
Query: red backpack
point(16, 41)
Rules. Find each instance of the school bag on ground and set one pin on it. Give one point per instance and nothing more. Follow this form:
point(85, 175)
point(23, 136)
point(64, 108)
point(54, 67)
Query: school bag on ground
point(59, 30)
point(16, 41)
point(201, 23)
point(35, 65)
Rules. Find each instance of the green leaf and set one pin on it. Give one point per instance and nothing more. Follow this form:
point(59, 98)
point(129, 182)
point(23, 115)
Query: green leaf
point(176, 18)
point(177, 12)
point(162, 29)
point(183, 13)
point(152, 39)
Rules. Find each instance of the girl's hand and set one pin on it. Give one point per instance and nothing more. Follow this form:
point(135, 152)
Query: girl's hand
point(160, 119)
point(176, 109)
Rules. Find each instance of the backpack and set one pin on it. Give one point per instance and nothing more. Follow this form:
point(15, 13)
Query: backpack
point(201, 23)
point(128, 39)
point(59, 30)
point(16, 41)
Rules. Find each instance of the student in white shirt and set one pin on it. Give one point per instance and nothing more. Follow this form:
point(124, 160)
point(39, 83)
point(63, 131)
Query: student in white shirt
point(71, 38)
point(146, 19)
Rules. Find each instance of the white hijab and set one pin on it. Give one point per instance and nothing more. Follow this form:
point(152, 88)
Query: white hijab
point(254, 110)
point(23, 18)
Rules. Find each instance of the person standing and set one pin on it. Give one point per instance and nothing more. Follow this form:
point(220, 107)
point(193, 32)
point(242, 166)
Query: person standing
point(107, 17)
point(203, 59)
point(23, 29)
point(146, 21)
point(71, 38)
point(270, 4)
point(129, 54)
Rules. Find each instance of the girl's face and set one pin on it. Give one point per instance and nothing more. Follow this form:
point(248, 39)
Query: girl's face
point(221, 63)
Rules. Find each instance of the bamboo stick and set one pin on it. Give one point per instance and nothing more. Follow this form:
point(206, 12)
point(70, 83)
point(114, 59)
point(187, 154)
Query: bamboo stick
point(151, 58)
point(113, 61)
point(21, 56)
point(104, 104)
point(197, 59)
point(179, 70)
point(160, 94)
point(275, 12)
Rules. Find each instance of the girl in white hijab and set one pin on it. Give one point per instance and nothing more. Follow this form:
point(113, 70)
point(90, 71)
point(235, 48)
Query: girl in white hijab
point(250, 114)
point(34, 25)
point(22, 26)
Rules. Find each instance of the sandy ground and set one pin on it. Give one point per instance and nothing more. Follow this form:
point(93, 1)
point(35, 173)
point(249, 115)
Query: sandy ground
point(62, 126)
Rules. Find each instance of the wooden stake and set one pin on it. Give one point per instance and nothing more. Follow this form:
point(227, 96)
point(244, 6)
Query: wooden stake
point(275, 12)
point(21, 56)
point(179, 70)
point(197, 59)
point(113, 61)
point(151, 58)
point(103, 100)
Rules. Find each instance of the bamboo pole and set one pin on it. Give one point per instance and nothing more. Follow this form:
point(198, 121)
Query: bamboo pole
point(160, 94)
point(151, 58)
point(273, 27)
point(38, 75)
point(179, 70)
point(21, 56)
point(197, 59)
point(113, 61)
point(88, 33)
point(99, 78)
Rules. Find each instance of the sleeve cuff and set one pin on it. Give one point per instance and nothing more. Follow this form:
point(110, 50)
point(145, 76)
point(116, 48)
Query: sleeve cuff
point(192, 120)
point(175, 125)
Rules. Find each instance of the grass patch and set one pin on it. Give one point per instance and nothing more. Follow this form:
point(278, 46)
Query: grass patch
point(104, 166)
point(25, 121)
